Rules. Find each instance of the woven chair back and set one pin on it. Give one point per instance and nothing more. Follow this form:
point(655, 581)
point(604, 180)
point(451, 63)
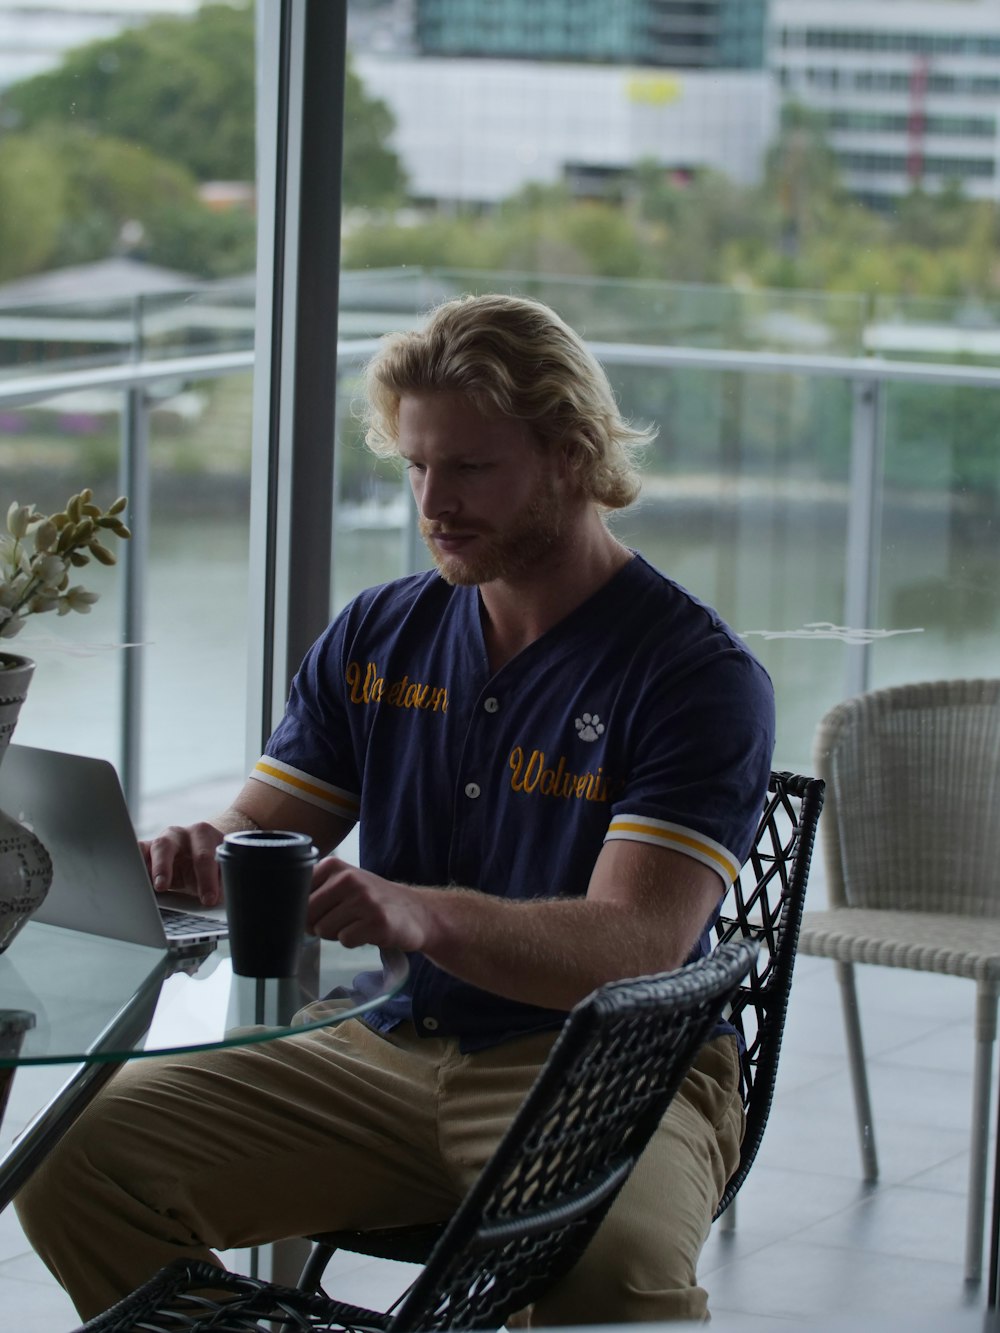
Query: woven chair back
point(765, 904)
point(608, 1080)
point(913, 798)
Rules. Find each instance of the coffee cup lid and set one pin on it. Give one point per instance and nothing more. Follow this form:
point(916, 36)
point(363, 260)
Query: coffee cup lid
point(268, 840)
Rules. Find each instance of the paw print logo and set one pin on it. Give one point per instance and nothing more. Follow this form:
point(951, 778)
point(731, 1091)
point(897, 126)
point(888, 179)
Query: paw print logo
point(589, 727)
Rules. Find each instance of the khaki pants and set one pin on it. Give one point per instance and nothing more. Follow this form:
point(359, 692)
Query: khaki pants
point(345, 1128)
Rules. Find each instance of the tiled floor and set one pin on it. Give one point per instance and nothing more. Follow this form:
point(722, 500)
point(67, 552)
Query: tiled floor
point(812, 1242)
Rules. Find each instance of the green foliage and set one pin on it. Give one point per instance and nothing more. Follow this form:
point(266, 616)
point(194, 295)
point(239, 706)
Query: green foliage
point(125, 129)
point(82, 192)
point(434, 242)
point(29, 173)
point(373, 174)
point(690, 222)
point(193, 239)
point(183, 88)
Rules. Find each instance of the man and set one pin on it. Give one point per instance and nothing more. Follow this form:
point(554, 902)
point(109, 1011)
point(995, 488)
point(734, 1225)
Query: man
point(557, 757)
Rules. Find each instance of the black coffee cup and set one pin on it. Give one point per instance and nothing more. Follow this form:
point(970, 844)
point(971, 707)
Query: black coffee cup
point(266, 880)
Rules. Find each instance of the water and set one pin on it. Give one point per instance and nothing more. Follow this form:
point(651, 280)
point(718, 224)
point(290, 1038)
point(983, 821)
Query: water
point(770, 567)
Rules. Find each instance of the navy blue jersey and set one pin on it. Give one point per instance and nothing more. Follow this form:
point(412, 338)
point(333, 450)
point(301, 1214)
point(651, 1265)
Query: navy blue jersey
point(640, 716)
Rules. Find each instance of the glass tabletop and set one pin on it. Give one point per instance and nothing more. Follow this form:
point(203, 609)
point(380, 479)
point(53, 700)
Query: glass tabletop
point(68, 997)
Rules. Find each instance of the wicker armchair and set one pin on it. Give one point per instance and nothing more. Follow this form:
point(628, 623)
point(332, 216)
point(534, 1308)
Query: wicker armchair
point(911, 841)
point(764, 904)
point(609, 1078)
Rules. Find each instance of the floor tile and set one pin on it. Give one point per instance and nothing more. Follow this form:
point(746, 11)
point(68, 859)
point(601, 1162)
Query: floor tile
point(775, 1203)
point(901, 1222)
point(28, 1309)
point(798, 1279)
point(814, 1246)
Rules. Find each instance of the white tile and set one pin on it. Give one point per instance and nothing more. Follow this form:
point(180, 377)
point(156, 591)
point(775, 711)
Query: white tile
point(813, 1246)
point(29, 1308)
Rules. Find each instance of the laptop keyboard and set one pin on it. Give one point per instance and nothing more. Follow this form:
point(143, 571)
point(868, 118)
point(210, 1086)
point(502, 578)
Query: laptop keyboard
point(180, 924)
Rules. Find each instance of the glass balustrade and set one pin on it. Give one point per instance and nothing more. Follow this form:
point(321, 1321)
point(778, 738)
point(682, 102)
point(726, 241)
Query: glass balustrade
point(770, 408)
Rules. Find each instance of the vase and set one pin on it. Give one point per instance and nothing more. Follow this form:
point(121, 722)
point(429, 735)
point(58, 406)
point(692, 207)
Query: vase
point(25, 865)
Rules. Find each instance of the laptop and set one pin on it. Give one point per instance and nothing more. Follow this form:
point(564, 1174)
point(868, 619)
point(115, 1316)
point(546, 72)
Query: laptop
point(100, 885)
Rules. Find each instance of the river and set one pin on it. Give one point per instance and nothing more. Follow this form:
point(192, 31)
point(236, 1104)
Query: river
point(775, 571)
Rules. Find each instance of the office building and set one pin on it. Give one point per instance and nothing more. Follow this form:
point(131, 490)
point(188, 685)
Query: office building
point(908, 89)
point(475, 132)
point(685, 34)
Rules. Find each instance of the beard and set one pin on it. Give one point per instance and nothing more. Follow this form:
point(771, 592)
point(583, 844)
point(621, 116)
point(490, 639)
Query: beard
point(510, 554)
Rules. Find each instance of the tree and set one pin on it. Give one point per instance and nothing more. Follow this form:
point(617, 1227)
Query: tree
point(934, 220)
point(183, 88)
point(373, 173)
point(125, 129)
point(801, 176)
point(691, 221)
point(28, 235)
point(66, 197)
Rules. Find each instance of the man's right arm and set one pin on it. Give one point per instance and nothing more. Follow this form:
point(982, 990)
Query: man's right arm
point(183, 858)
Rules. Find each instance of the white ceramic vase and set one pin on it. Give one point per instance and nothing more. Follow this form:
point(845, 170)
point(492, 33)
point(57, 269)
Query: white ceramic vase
point(25, 865)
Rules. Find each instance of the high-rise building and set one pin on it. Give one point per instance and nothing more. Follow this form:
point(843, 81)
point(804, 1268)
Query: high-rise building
point(477, 131)
point(684, 34)
point(909, 90)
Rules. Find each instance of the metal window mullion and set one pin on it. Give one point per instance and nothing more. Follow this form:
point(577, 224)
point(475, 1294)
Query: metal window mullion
point(864, 525)
point(301, 70)
point(134, 479)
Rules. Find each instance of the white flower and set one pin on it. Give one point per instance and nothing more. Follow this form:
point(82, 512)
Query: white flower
point(46, 535)
point(18, 518)
point(10, 625)
point(13, 556)
point(51, 571)
point(77, 598)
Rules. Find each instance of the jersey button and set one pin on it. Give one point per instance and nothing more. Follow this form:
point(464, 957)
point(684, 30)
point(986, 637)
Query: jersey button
point(431, 1024)
point(472, 790)
point(491, 705)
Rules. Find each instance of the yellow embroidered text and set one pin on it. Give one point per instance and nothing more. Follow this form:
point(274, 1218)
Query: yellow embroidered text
point(368, 687)
point(532, 774)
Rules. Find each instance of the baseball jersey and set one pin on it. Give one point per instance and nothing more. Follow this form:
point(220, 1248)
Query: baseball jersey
point(640, 715)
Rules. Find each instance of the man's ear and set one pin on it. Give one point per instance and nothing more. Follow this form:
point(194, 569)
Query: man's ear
point(573, 456)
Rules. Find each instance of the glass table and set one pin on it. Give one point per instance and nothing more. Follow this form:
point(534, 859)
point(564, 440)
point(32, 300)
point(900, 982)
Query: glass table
point(68, 998)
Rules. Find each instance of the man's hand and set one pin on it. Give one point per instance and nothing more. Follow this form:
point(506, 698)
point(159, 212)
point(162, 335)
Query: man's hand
point(183, 859)
point(644, 910)
point(356, 907)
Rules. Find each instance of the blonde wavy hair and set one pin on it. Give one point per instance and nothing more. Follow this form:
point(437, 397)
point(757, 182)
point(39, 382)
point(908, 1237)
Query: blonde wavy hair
point(515, 358)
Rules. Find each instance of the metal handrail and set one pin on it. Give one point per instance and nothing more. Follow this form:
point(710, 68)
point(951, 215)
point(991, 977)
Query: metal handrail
point(867, 377)
point(20, 391)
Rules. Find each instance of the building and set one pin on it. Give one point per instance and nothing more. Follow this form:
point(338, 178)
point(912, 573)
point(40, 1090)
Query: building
point(685, 34)
point(475, 132)
point(909, 89)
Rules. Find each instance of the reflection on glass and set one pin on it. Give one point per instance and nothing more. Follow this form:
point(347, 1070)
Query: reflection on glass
point(747, 498)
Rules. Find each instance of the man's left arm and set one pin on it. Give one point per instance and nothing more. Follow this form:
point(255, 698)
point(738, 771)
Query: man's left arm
point(644, 910)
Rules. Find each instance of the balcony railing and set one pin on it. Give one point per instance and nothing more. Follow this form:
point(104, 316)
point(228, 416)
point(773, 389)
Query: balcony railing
point(814, 528)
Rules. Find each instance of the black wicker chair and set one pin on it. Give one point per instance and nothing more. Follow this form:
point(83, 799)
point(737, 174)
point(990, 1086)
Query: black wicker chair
point(765, 904)
point(609, 1078)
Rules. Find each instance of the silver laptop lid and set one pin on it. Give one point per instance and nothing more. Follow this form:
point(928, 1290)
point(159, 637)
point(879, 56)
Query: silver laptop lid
point(76, 806)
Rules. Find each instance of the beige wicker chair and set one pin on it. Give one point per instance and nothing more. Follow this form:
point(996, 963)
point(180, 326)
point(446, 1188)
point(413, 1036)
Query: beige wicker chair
point(911, 842)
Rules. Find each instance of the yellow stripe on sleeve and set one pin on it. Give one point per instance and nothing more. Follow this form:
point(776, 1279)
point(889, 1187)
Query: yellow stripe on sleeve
point(659, 833)
point(316, 792)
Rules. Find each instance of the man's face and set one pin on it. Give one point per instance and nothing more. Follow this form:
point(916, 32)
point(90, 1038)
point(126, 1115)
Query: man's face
point(492, 504)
